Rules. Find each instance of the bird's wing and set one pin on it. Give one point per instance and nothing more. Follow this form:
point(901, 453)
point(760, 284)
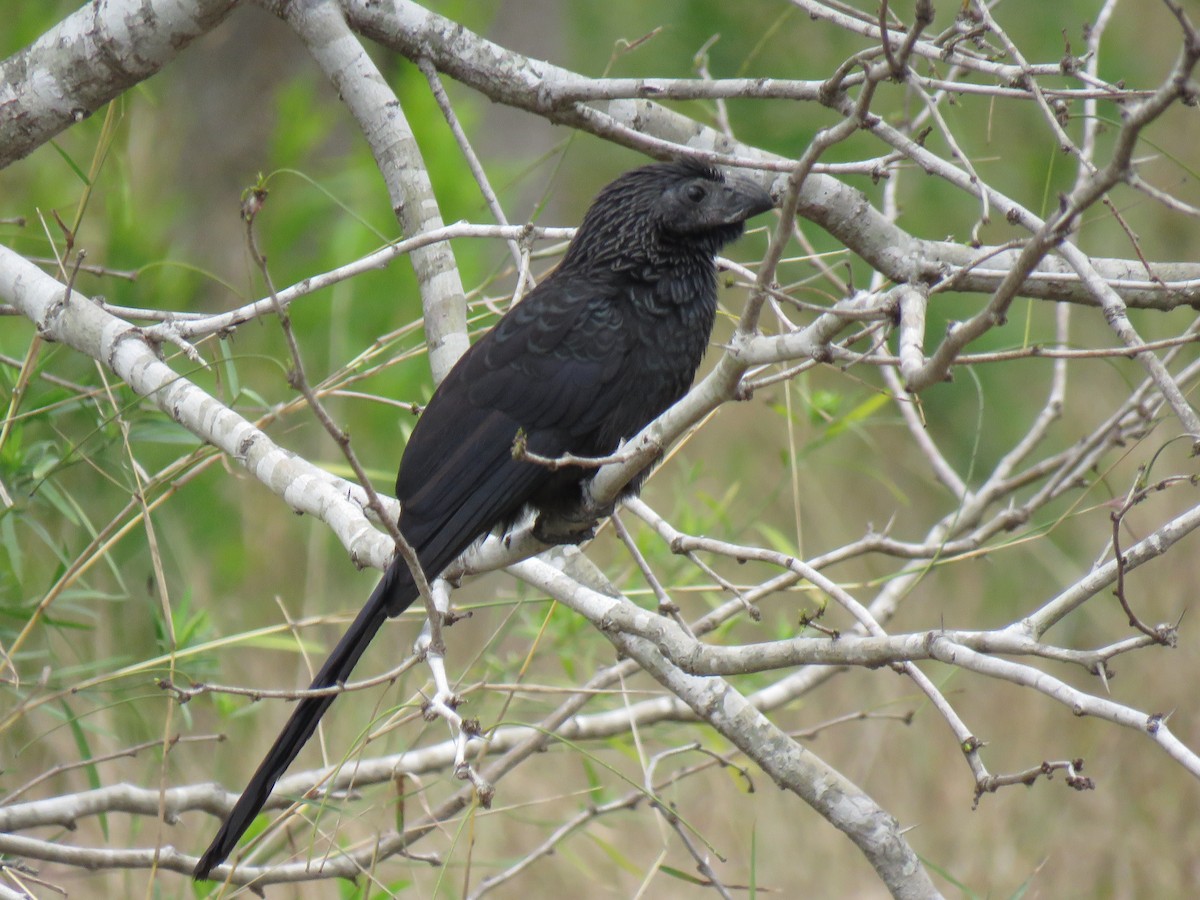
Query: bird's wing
point(548, 369)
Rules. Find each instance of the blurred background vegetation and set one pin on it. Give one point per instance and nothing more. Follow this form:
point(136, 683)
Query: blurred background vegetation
point(150, 188)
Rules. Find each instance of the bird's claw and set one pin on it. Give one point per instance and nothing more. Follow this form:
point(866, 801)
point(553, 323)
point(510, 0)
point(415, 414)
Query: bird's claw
point(563, 529)
point(573, 525)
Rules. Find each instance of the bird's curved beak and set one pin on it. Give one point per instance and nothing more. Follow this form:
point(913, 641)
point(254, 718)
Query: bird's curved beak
point(741, 198)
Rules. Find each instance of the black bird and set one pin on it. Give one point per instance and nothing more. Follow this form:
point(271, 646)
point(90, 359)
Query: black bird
point(593, 354)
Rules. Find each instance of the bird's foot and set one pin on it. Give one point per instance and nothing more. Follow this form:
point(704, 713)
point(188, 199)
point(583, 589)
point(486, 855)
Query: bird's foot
point(570, 527)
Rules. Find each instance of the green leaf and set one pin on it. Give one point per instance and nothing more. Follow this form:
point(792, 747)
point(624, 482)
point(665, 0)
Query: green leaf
point(684, 876)
point(79, 173)
point(614, 854)
point(85, 752)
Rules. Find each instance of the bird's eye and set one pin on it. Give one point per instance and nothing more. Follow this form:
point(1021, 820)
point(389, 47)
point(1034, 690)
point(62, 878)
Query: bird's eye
point(696, 192)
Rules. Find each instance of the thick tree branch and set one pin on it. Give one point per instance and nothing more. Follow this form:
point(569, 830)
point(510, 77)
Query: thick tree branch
point(92, 56)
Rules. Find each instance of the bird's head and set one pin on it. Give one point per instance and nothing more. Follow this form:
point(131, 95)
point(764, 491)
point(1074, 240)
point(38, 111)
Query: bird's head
point(655, 214)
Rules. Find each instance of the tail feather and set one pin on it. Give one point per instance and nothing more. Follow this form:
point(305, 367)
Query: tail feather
point(394, 593)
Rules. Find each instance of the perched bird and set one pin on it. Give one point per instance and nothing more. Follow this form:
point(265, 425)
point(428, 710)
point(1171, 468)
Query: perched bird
point(594, 353)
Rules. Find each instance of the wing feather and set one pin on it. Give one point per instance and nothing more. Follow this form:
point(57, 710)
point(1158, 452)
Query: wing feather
point(548, 369)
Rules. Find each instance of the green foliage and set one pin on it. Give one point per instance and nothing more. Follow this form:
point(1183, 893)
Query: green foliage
point(157, 559)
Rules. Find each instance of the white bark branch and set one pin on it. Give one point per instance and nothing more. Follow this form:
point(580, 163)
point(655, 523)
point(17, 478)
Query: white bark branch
point(59, 79)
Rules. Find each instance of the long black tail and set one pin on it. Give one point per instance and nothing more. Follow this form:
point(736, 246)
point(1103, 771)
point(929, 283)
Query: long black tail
point(394, 594)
